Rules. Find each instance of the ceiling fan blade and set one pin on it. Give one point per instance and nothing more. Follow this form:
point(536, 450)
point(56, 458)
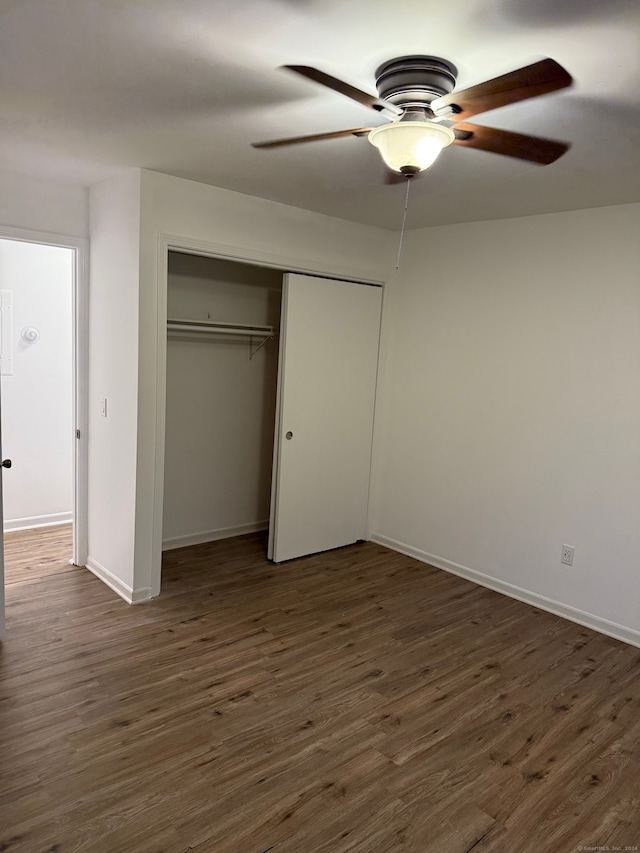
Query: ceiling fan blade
point(344, 89)
point(531, 148)
point(529, 82)
point(296, 140)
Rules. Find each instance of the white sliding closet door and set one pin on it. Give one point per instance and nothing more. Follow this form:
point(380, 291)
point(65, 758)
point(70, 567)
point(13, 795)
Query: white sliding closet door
point(329, 337)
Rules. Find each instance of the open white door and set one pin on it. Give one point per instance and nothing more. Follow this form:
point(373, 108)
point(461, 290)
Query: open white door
point(329, 337)
point(6, 463)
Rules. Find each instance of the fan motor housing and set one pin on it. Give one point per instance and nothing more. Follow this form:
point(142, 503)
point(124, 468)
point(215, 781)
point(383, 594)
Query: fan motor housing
point(415, 80)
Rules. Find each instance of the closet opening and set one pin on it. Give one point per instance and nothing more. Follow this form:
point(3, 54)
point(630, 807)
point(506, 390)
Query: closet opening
point(222, 367)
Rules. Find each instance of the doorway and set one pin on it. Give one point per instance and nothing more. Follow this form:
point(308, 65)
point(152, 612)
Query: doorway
point(36, 289)
point(43, 387)
point(156, 432)
point(222, 469)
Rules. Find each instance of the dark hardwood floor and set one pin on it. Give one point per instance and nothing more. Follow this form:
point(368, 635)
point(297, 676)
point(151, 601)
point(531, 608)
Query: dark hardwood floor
point(352, 701)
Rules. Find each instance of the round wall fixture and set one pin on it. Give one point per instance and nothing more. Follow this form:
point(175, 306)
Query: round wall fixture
point(30, 334)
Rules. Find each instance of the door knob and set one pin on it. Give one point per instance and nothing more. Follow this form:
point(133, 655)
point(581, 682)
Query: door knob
point(6, 463)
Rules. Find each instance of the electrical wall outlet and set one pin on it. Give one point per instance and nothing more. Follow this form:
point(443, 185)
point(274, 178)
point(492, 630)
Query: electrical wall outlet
point(566, 555)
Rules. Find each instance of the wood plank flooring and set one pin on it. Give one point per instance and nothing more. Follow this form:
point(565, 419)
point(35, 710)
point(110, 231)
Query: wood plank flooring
point(352, 702)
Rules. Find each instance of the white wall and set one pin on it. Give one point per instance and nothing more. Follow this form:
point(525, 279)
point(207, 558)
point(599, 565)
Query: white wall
point(39, 205)
point(220, 403)
point(113, 375)
point(244, 227)
point(37, 403)
point(512, 409)
point(263, 230)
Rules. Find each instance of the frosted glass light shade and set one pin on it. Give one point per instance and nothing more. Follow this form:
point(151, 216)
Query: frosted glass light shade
point(411, 145)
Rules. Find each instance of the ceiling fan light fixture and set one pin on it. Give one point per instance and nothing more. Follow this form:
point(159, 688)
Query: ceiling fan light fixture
point(410, 146)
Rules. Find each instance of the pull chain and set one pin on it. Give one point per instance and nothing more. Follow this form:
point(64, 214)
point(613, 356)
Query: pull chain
point(404, 219)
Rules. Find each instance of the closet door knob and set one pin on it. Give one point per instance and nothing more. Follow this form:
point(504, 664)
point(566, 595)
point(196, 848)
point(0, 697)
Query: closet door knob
point(6, 463)
point(289, 435)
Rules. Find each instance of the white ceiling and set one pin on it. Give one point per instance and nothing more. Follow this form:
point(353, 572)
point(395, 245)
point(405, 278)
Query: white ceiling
point(184, 87)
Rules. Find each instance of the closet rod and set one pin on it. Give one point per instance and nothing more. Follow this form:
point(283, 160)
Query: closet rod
point(219, 328)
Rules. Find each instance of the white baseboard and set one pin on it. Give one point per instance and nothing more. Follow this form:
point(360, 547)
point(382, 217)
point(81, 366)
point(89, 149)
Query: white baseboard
point(32, 521)
point(213, 535)
point(131, 596)
point(588, 620)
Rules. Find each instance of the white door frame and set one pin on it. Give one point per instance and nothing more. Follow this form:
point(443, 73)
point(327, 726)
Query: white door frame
point(80, 351)
point(242, 255)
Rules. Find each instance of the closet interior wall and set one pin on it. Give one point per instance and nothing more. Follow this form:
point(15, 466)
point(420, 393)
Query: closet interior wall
point(220, 402)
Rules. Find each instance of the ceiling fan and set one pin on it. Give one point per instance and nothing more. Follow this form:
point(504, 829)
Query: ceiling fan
point(426, 115)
